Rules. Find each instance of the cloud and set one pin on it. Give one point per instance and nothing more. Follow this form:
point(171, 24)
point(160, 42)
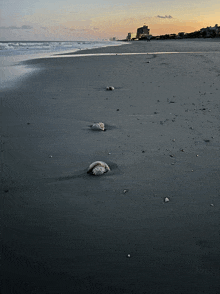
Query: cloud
point(166, 16)
point(24, 27)
point(78, 29)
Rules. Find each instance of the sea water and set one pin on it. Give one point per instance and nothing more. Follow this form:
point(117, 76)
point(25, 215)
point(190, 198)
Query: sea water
point(13, 53)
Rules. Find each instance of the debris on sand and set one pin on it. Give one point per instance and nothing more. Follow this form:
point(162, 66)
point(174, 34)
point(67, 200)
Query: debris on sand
point(166, 199)
point(98, 168)
point(98, 126)
point(111, 88)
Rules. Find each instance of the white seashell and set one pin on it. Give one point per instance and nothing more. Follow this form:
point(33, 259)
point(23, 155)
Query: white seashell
point(110, 88)
point(98, 126)
point(98, 168)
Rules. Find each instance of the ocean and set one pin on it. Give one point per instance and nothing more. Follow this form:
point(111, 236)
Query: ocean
point(13, 53)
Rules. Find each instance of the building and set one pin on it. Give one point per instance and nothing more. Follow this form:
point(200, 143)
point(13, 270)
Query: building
point(181, 35)
point(143, 32)
point(113, 39)
point(210, 31)
point(131, 36)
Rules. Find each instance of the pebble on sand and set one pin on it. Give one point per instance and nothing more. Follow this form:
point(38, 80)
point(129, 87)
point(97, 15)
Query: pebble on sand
point(166, 199)
point(110, 88)
point(98, 126)
point(98, 168)
point(128, 255)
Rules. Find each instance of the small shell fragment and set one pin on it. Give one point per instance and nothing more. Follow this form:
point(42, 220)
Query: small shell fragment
point(98, 168)
point(98, 126)
point(166, 199)
point(110, 88)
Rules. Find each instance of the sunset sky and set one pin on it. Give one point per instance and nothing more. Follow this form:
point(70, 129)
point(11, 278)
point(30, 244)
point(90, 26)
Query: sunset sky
point(101, 19)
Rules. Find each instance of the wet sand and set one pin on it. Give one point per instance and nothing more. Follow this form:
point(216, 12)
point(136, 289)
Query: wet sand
point(65, 231)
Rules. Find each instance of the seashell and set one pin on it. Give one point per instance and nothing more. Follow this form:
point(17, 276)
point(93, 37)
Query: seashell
point(110, 88)
point(98, 168)
point(98, 126)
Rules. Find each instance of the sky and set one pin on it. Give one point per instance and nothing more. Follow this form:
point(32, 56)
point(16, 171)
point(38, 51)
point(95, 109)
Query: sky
point(71, 20)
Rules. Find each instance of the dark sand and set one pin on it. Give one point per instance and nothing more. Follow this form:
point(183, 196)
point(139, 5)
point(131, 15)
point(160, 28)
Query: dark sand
point(66, 232)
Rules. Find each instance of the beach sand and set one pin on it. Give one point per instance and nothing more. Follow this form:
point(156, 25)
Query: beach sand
point(65, 231)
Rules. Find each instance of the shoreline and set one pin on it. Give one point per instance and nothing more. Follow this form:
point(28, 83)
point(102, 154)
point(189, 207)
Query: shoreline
point(12, 68)
point(65, 230)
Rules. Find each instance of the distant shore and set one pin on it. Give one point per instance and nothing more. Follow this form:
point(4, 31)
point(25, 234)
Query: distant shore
point(68, 232)
point(154, 38)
